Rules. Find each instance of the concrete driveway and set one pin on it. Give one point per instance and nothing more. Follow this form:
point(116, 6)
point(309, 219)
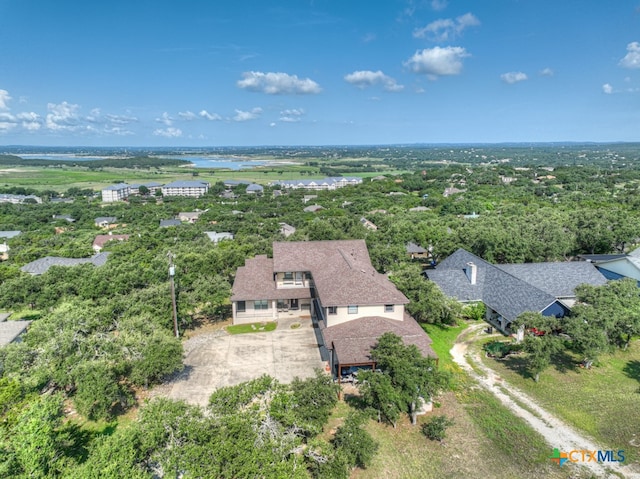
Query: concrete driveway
point(217, 359)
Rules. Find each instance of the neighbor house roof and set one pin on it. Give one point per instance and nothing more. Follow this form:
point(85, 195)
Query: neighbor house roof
point(186, 184)
point(352, 341)
point(413, 248)
point(313, 208)
point(171, 222)
point(559, 279)
point(513, 288)
point(215, 237)
point(253, 187)
point(101, 240)
point(10, 330)
point(342, 271)
point(119, 186)
point(105, 219)
point(9, 234)
point(42, 265)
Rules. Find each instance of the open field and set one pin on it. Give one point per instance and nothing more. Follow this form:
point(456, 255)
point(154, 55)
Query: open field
point(603, 401)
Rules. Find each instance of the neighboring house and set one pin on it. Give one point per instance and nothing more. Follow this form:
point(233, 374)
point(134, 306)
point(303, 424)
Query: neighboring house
point(101, 240)
point(617, 266)
point(193, 189)
point(232, 183)
point(452, 191)
point(313, 209)
point(254, 189)
point(19, 199)
point(368, 224)
point(228, 195)
point(66, 218)
point(119, 192)
point(509, 290)
point(61, 200)
point(286, 230)
point(4, 251)
point(169, 223)
point(105, 221)
point(417, 252)
point(42, 265)
point(189, 217)
point(9, 234)
point(418, 209)
point(11, 331)
point(307, 198)
point(379, 178)
point(217, 237)
point(334, 283)
point(330, 183)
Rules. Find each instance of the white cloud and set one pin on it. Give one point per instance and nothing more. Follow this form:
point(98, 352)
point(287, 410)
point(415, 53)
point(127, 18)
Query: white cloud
point(513, 77)
point(632, 58)
point(438, 5)
point(187, 115)
point(446, 29)
point(210, 116)
point(547, 72)
point(278, 84)
point(291, 116)
point(168, 132)
point(4, 99)
point(165, 119)
point(31, 121)
point(247, 115)
point(366, 78)
point(607, 88)
point(120, 119)
point(63, 116)
point(435, 62)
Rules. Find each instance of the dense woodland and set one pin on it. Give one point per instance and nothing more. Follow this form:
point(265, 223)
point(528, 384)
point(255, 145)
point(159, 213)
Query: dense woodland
point(100, 335)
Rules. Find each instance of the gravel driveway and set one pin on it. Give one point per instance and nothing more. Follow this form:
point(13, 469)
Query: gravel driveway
point(217, 359)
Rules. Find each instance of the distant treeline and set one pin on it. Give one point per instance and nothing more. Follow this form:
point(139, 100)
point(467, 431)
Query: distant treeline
point(132, 162)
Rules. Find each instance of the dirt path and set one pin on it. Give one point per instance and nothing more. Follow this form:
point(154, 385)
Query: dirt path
point(555, 431)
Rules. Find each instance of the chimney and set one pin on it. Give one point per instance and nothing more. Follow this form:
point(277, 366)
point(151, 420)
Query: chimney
point(471, 272)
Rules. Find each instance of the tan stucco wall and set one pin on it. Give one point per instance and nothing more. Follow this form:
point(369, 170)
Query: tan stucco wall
point(343, 316)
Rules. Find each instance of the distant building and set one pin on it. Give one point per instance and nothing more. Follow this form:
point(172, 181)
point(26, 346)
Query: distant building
point(105, 221)
point(452, 191)
point(368, 224)
point(11, 331)
point(217, 237)
point(330, 183)
point(189, 216)
point(418, 209)
point(255, 189)
point(118, 192)
point(169, 223)
point(101, 240)
point(286, 230)
point(66, 218)
point(19, 199)
point(42, 265)
point(415, 251)
point(313, 209)
point(193, 189)
point(9, 234)
point(152, 186)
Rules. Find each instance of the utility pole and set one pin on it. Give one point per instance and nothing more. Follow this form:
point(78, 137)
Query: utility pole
point(172, 273)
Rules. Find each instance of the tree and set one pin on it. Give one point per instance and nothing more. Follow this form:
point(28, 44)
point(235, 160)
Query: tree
point(541, 344)
point(413, 377)
point(352, 440)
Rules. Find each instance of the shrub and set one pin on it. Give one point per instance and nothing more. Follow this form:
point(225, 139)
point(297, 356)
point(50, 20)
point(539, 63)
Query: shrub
point(435, 428)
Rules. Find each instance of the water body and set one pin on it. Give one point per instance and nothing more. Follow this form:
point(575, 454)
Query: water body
point(206, 161)
point(201, 161)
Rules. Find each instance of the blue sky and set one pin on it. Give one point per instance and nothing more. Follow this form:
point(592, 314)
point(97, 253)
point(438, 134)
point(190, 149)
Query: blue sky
point(318, 72)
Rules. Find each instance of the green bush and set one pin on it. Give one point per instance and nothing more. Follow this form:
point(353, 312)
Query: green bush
point(435, 428)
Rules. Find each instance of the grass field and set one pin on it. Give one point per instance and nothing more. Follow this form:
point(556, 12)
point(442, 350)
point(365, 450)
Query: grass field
point(603, 401)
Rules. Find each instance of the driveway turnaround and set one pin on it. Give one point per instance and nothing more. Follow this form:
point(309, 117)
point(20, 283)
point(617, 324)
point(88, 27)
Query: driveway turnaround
point(218, 359)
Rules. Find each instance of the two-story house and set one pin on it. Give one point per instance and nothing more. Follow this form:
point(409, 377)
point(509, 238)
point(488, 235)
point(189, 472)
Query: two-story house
point(334, 283)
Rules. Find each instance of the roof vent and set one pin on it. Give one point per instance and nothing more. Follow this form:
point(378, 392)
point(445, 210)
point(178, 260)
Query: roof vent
point(472, 272)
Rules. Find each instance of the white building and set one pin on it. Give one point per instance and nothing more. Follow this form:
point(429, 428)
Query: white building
point(194, 189)
point(118, 192)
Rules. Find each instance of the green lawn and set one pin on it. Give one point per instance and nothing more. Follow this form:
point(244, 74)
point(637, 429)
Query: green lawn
point(251, 328)
point(603, 401)
point(443, 338)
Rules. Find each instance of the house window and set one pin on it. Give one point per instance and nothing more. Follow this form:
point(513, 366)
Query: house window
point(288, 278)
point(260, 304)
point(332, 310)
point(298, 278)
point(352, 309)
point(388, 308)
point(241, 306)
point(307, 275)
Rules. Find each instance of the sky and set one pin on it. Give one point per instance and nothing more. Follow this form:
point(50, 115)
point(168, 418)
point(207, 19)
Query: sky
point(318, 72)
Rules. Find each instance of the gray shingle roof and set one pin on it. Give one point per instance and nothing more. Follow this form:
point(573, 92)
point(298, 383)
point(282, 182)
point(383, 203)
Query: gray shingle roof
point(557, 279)
point(186, 184)
point(9, 234)
point(167, 223)
point(415, 249)
point(105, 219)
point(42, 265)
point(10, 330)
point(119, 186)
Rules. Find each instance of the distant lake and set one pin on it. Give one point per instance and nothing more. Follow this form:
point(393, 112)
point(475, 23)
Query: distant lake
point(200, 161)
point(212, 161)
